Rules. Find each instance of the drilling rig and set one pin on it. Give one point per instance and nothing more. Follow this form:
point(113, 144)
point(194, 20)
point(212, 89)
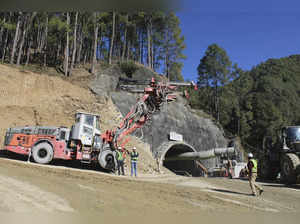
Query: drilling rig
point(84, 140)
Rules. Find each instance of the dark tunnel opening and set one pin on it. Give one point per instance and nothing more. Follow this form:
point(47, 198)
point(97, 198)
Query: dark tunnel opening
point(181, 167)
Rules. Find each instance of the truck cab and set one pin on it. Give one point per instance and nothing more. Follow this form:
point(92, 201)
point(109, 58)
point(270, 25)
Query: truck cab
point(86, 126)
point(290, 137)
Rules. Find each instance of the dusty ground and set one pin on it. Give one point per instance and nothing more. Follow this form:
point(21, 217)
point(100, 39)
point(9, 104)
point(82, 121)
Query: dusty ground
point(31, 187)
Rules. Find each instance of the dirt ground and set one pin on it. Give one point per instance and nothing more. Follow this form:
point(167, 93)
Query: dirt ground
point(29, 187)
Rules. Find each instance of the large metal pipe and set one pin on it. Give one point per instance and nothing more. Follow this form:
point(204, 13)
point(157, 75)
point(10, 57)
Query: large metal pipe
point(202, 155)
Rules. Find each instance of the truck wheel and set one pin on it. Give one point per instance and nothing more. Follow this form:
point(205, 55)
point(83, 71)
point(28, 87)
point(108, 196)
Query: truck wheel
point(267, 170)
point(107, 160)
point(289, 164)
point(42, 153)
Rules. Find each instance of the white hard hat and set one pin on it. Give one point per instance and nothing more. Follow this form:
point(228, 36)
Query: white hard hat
point(250, 155)
point(134, 147)
point(119, 147)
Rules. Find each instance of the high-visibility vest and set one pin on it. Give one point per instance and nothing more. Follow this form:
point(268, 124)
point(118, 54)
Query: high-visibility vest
point(134, 156)
point(120, 156)
point(254, 168)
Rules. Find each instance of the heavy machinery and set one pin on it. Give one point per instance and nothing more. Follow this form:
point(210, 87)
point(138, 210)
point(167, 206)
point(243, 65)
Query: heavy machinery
point(281, 157)
point(84, 140)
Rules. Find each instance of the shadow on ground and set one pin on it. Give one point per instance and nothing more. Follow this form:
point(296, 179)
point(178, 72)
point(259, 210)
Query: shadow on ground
point(294, 186)
point(229, 192)
point(275, 183)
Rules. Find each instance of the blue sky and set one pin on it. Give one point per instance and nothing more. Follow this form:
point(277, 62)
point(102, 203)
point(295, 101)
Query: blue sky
point(251, 32)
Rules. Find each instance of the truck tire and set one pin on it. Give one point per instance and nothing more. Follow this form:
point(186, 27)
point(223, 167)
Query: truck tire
point(42, 153)
point(267, 170)
point(289, 163)
point(106, 160)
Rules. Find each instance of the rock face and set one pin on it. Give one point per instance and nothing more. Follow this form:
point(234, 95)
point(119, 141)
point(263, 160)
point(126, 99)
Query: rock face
point(201, 133)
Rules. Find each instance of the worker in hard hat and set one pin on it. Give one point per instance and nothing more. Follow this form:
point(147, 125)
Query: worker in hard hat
point(252, 172)
point(134, 158)
point(120, 161)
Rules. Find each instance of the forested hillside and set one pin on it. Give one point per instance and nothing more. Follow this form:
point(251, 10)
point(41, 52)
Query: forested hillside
point(65, 40)
point(258, 102)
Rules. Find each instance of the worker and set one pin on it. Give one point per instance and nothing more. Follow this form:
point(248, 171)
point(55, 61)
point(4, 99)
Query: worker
point(134, 157)
point(120, 161)
point(252, 172)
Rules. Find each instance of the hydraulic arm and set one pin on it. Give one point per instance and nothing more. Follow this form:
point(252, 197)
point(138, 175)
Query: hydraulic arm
point(155, 94)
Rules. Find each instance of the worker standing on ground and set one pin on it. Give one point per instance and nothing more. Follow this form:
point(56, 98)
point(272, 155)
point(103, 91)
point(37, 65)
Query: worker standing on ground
point(120, 161)
point(252, 171)
point(134, 157)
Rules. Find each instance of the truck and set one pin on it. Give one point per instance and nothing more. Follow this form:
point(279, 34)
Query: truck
point(281, 157)
point(84, 141)
point(80, 142)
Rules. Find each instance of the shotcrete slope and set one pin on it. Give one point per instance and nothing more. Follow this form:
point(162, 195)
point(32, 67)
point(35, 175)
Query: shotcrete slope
point(199, 132)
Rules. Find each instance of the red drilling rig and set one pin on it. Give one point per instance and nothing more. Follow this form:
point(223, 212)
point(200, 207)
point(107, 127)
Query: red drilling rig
point(84, 141)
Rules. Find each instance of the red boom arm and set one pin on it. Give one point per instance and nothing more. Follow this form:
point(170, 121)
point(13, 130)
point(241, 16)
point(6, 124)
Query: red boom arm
point(154, 96)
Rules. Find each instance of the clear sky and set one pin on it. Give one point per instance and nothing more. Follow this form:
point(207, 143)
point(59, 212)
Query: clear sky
point(249, 31)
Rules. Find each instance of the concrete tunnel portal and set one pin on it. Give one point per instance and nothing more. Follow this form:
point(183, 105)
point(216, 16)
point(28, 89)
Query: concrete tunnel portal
point(180, 167)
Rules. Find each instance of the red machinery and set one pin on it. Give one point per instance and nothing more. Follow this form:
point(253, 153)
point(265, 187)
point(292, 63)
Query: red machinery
point(84, 140)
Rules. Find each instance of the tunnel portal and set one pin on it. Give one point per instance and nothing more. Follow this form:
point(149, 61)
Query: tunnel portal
point(181, 167)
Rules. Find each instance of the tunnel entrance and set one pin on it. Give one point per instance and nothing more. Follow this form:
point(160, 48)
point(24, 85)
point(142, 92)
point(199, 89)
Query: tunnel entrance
point(181, 167)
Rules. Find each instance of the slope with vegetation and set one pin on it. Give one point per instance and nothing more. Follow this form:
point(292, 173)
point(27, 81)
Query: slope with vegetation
point(251, 104)
point(266, 99)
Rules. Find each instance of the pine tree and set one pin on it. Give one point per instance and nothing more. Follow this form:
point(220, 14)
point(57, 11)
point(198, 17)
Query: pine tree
point(66, 63)
point(15, 42)
point(64, 39)
point(214, 71)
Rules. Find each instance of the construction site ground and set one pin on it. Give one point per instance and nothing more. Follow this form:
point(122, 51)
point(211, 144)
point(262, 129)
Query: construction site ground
point(29, 187)
point(28, 98)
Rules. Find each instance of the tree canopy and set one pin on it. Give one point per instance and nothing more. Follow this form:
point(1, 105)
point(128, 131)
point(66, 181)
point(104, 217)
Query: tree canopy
point(67, 39)
point(258, 102)
point(213, 72)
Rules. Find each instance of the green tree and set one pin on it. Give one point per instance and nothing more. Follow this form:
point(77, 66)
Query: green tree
point(173, 43)
point(66, 39)
point(214, 71)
